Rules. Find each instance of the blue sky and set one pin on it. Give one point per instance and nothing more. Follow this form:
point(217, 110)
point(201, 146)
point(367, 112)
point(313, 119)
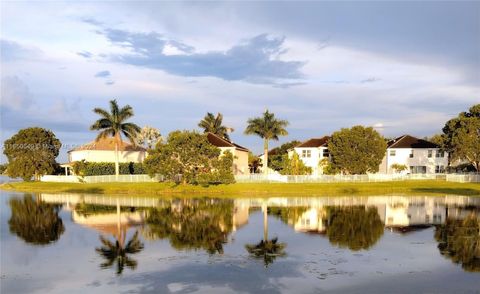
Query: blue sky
point(403, 67)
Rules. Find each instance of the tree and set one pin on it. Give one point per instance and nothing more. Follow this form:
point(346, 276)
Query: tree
point(34, 221)
point(354, 227)
point(3, 168)
point(254, 162)
point(294, 166)
point(276, 155)
point(459, 240)
point(268, 128)
point(149, 137)
point(114, 124)
point(399, 167)
point(190, 155)
point(31, 153)
point(213, 124)
point(358, 150)
point(461, 137)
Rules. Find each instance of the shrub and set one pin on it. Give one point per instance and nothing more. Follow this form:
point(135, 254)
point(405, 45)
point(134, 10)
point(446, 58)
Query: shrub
point(83, 168)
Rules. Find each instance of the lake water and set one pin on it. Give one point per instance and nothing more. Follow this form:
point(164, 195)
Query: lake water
point(80, 243)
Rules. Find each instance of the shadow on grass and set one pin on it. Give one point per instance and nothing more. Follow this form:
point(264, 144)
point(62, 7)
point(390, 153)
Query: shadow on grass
point(93, 190)
point(454, 191)
point(350, 191)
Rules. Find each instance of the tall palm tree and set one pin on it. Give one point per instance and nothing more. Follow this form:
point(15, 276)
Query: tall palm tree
point(268, 128)
point(213, 124)
point(113, 124)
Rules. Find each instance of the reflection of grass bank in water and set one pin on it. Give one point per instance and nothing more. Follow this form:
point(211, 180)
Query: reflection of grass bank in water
point(428, 187)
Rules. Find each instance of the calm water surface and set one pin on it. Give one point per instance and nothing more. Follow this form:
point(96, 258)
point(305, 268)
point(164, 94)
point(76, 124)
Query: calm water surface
point(78, 243)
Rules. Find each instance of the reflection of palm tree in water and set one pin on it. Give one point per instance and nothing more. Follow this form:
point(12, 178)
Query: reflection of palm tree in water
point(118, 251)
point(269, 250)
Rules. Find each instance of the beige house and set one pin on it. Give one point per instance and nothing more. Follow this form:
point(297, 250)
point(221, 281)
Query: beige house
point(104, 151)
point(240, 154)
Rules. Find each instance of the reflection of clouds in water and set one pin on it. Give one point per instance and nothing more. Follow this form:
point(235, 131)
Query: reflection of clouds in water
point(236, 274)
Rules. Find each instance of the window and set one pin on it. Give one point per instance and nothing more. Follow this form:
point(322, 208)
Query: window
point(325, 153)
point(393, 152)
point(420, 169)
point(440, 154)
point(439, 169)
point(411, 154)
point(430, 153)
point(306, 153)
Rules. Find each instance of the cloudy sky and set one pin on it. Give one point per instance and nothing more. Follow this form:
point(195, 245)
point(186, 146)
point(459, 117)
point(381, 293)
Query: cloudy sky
point(403, 67)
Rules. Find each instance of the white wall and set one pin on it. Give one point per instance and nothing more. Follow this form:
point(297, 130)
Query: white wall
point(316, 154)
point(420, 158)
point(106, 156)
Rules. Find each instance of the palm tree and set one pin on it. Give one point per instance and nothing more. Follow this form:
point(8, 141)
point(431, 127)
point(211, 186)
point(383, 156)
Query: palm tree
point(267, 128)
point(113, 124)
point(213, 124)
point(266, 249)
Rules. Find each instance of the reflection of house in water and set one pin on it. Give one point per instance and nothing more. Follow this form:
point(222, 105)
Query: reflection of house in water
point(396, 212)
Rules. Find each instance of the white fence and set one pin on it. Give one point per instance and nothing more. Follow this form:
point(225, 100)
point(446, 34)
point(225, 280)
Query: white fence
point(101, 179)
point(276, 178)
point(463, 178)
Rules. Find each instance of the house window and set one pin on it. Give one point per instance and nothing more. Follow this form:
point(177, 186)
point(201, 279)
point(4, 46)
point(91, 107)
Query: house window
point(430, 153)
point(439, 169)
point(440, 154)
point(325, 153)
point(411, 154)
point(420, 169)
point(393, 152)
point(306, 153)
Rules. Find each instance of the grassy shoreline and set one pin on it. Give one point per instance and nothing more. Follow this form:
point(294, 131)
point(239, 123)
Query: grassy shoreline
point(418, 187)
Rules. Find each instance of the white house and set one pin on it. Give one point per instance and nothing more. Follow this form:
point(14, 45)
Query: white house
point(240, 154)
point(419, 156)
point(103, 150)
point(312, 152)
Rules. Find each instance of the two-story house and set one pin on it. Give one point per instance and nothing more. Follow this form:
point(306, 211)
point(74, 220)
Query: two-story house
point(418, 155)
point(312, 152)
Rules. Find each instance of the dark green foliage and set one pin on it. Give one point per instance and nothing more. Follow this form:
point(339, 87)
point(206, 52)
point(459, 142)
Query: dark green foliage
point(34, 221)
point(31, 153)
point(276, 156)
point(115, 252)
point(190, 155)
point(461, 137)
point(354, 227)
point(358, 150)
point(294, 166)
point(82, 168)
point(254, 163)
point(193, 224)
point(459, 240)
point(86, 209)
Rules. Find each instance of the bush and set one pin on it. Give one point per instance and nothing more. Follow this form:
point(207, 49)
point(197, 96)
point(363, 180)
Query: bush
point(83, 168)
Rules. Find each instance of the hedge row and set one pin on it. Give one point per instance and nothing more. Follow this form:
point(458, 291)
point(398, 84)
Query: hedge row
point(108, 168)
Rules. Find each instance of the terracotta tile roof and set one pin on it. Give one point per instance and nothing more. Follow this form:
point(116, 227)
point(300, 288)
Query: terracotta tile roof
point(220, 142)
point(407, 141)
point(314, 142)
point(108, 144)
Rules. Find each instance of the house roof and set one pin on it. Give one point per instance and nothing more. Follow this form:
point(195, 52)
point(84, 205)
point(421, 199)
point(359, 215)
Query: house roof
point(221, 142)
point(407, 141)
point(108, 144)
point(314, 142)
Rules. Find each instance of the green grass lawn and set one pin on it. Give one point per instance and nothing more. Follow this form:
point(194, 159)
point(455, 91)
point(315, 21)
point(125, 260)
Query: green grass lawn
point(428, 187)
